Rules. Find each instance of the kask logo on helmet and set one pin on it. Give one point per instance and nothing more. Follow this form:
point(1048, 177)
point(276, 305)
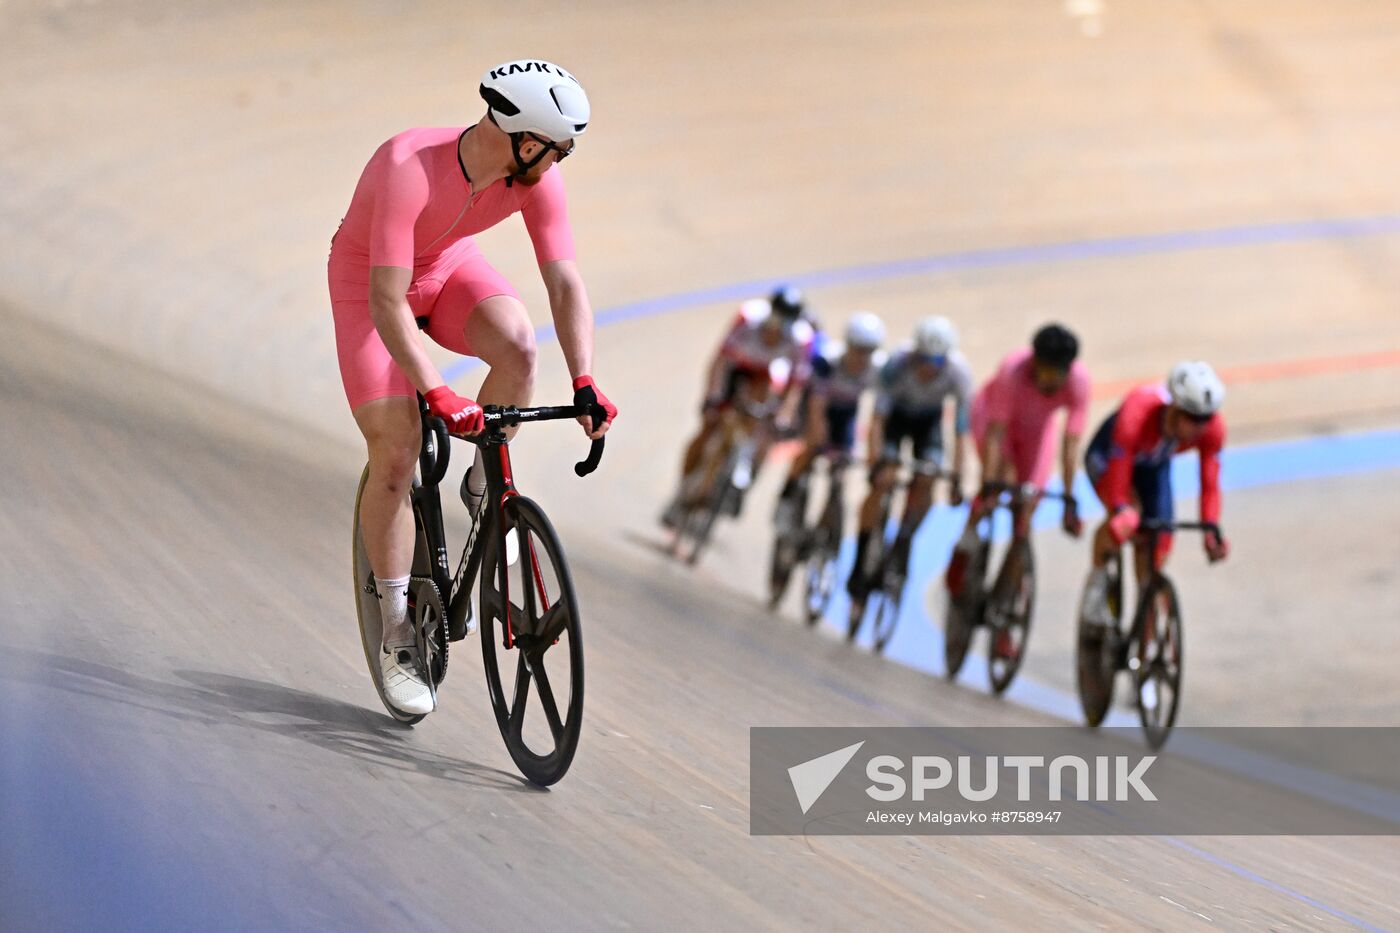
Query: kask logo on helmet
point(520, 68)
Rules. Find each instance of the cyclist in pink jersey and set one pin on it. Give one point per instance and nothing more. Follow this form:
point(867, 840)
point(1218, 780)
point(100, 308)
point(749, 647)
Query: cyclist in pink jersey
point(1013, 414)
point(403, 259)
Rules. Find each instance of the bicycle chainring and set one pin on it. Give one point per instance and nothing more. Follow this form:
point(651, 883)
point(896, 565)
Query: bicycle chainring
point(430, 620)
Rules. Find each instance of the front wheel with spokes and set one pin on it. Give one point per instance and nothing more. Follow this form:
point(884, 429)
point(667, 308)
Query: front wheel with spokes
point(1014, 602)
point(528, 607)
point(821, 578)
point(1157, 660)
point(885, 611)
point(1096, 648)
point(964, 609)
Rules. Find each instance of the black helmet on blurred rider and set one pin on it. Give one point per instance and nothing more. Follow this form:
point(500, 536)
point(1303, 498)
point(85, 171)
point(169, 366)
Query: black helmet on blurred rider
point(1055, 346)
point(786, 302)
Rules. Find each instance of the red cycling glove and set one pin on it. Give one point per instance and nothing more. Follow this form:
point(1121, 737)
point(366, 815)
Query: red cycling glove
point(1070, 520)
point(1217, 548)
point(1123, 523)
point(586, 392)
point(462, 415)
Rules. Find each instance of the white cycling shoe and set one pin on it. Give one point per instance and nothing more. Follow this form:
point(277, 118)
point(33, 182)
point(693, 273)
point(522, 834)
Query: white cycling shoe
point(404, 687)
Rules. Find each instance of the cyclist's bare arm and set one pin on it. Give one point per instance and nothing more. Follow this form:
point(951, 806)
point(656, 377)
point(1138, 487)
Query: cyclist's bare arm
point(1069, 459)
point(572, 313)
point(714, 376)
point(991, 469)
point(876, 439)
point(814, 426)
point(962, 424)
point(790, 404)
point(573, 322)
point(393, 318)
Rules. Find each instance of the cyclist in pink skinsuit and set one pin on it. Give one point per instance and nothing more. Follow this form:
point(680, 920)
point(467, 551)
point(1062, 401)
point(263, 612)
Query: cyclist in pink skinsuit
point(1014, 411)
point(404, 252)
point(1012, 417)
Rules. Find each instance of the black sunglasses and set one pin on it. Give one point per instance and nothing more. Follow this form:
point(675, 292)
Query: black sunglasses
point(559, 151)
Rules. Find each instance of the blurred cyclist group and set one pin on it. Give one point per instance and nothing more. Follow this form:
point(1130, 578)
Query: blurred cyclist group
point(777, 374)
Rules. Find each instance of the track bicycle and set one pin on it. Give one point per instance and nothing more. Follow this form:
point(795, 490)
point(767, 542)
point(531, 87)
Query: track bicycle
point(886, 568)
point(526, 597)
point(815, 547)
point(724, 476)
point(1005, 608)
point(1151, 650)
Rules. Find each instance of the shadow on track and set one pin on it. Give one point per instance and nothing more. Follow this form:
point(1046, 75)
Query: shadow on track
point(214, 698)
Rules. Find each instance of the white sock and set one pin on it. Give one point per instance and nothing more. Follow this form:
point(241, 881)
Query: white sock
point(393, 612)
point(476, 479)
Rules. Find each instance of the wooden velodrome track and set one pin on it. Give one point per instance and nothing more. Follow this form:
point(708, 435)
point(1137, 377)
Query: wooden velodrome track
point(187, 734)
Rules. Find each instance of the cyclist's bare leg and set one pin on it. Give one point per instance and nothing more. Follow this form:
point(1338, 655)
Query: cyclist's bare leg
point(802, 462)
point(500, 333)
point(1104, 546)
point(1024, 513)
point(978, 510)
point(920, 501)
point(695, 450)
point(393, 437)
point(880, 484)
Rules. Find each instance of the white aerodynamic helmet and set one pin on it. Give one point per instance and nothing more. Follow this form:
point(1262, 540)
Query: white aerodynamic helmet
point(1195, 388)
point(532, 96)
point(935, 336)
point(865, 331)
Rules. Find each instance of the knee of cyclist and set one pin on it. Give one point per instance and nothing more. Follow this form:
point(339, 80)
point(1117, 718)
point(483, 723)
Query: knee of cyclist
point(393, 463)
point(520, 353)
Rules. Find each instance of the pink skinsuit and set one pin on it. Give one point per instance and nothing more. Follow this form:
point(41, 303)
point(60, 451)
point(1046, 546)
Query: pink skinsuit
point(414, 208)
point(1011, 398)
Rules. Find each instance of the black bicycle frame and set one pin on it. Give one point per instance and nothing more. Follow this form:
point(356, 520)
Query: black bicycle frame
point(426, 496)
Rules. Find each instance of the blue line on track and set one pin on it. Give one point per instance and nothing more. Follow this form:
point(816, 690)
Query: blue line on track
point(1262, 234)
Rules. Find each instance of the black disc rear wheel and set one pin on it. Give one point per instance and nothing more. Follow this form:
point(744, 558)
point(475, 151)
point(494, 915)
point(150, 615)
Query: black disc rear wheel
point(529, 610)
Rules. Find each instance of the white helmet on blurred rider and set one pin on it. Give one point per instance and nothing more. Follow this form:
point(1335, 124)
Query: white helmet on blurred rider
point(1195, 388)
point(532, 96)
point(935, 336)
point(865, 331)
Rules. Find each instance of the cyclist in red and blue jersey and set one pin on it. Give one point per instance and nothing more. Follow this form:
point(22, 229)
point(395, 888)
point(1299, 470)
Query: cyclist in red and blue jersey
point(1129, 463)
